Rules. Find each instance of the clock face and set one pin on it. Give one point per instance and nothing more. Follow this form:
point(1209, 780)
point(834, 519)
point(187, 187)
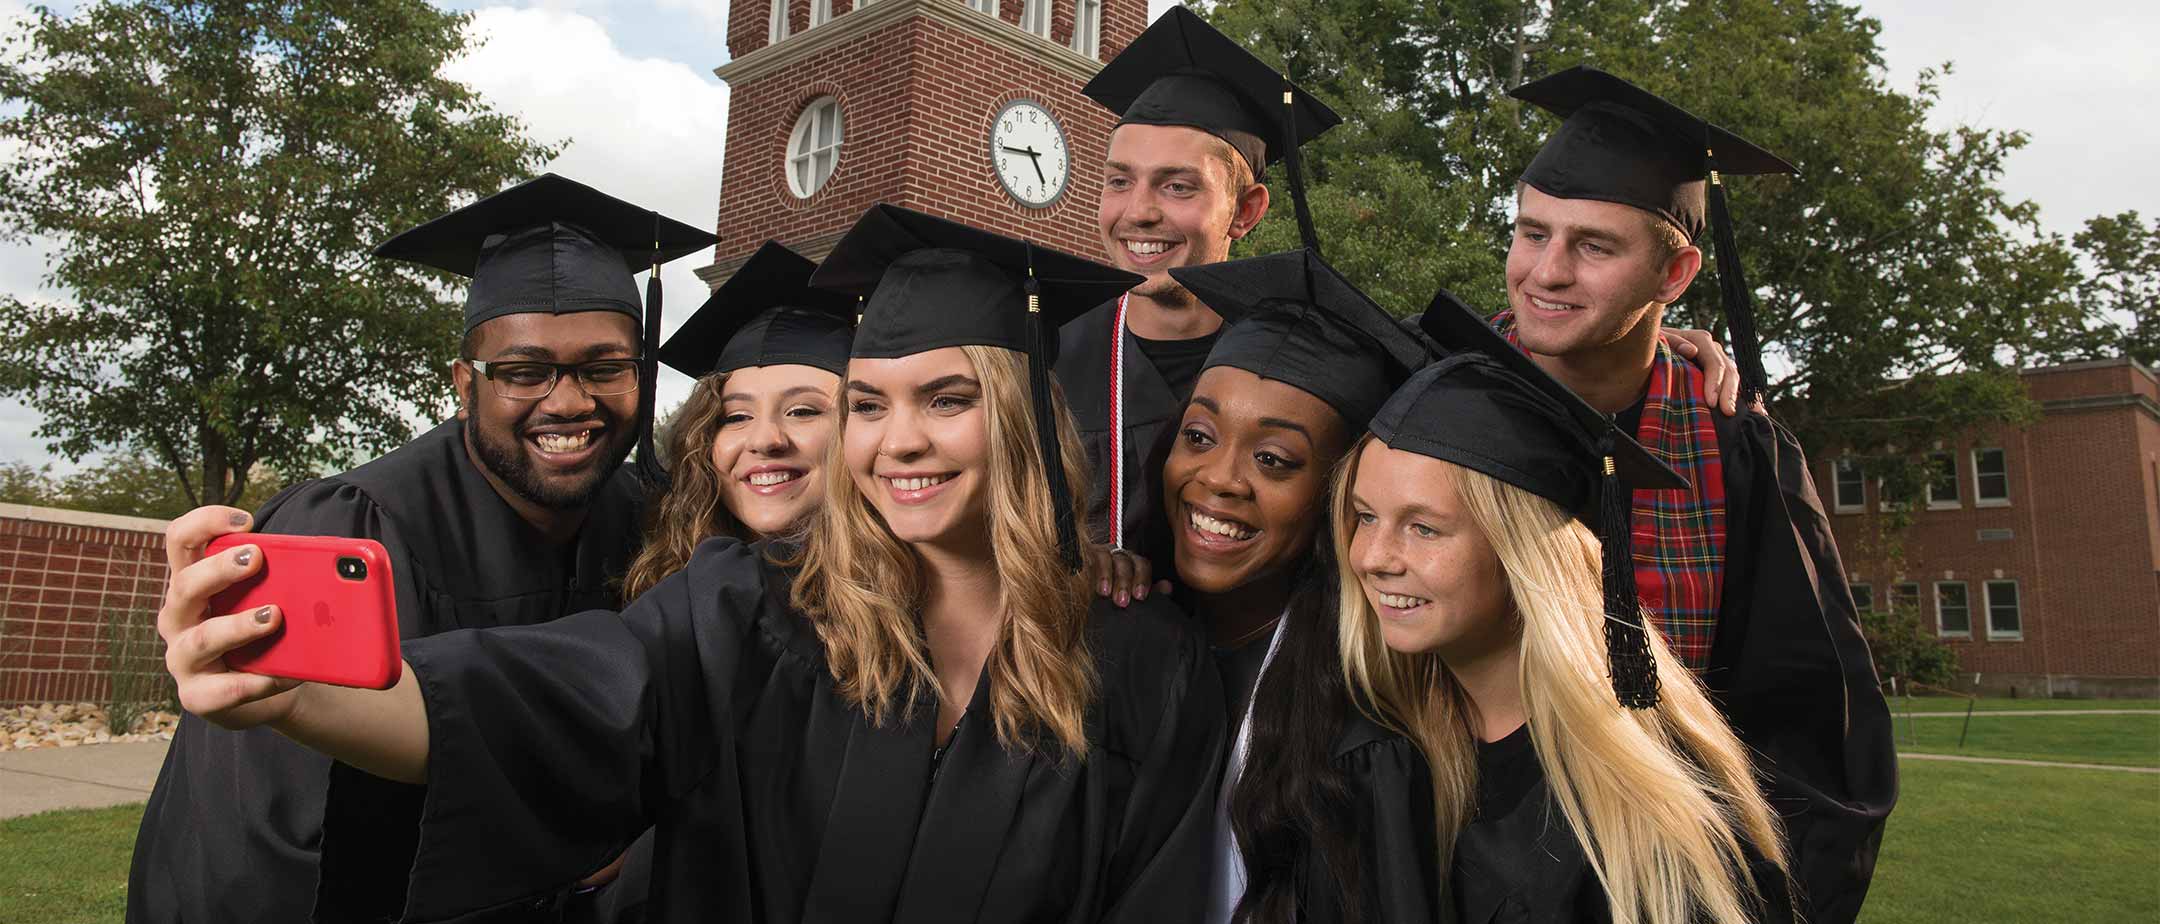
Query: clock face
point(1027, 151)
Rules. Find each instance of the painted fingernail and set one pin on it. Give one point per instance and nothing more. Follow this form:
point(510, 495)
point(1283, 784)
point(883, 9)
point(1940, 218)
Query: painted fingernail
point(238, 519)
point(1105, 591)
point(262, 616)
point(244, 557)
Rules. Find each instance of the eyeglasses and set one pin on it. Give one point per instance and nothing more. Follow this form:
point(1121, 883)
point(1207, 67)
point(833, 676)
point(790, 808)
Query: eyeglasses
point(531, 381)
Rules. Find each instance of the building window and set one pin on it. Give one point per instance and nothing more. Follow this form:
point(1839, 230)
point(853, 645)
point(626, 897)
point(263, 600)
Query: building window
point(820, 12)
point(814, 147)
point(1942, 485)
point(1863, 597)
point(1035, 17)
point(1087, 27)
point(1849, 486)
point(2004, 619)
point(1953, 610)
point(776, 24)
point(1991, 478)
point(984, 6)
point(1905, 598)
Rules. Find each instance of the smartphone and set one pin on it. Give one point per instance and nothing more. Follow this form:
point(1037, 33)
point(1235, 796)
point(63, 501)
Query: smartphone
point(340, 612)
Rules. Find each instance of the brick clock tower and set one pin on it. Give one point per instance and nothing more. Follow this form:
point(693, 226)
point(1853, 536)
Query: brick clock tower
point(969, 109)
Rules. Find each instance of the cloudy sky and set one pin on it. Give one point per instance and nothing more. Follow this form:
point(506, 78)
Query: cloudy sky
point(629, 85)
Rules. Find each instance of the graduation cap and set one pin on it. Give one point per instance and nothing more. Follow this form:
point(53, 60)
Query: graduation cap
point(928, 283)
point(765, 315)
point(1489, 408)
point(1291, 318)
point(554, 245)
point(1182, 71)
point(1618, 142)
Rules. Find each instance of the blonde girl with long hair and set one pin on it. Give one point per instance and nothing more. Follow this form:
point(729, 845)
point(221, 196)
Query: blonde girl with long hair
point(1580, 773)
point(916, 714)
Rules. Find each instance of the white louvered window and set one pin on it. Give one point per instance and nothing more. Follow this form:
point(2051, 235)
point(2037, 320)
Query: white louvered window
point(1087, 27)
point(814, 147)
point(776, 25)
point(1035, 17)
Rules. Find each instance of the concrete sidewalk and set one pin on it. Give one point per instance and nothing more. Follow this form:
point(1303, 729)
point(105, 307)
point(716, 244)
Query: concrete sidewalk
point(83, 777)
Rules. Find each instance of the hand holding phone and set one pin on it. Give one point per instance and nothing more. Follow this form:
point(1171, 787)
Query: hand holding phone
point(339, 607)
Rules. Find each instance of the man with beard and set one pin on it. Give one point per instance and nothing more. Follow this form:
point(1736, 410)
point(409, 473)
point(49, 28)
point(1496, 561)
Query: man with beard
point(516, 511)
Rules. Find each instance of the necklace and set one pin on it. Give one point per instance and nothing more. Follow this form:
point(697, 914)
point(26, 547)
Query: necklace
point(1254, 633)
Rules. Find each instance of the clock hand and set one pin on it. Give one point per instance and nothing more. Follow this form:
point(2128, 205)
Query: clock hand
point(1028, 151)
point(1036, 159)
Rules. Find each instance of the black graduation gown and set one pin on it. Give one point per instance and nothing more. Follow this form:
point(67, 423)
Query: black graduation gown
point(1152, 411)
point(1517, 861)
point(1392, 806)
point(1791, 672)
point(234, 825)
point(706, 711)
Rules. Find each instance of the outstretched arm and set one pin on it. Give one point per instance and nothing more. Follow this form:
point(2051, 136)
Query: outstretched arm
point(384, 732)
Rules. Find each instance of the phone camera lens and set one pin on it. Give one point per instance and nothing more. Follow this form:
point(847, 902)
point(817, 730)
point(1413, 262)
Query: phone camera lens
point(352, 569)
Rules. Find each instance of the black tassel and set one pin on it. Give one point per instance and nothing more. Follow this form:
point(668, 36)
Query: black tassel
point(648, 459)
point(1294, 163)
point(1046, 437)
point(1738, 299)
point(1627, 639)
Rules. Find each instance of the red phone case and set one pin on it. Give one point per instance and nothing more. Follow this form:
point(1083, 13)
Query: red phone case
point(336, 629)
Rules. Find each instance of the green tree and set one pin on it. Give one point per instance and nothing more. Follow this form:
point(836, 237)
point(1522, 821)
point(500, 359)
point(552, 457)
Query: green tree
point(1895, 282)
point(213, 175)
point(2122, 285)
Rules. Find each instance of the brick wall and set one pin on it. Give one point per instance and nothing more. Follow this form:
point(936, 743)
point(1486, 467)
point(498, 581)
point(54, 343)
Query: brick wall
point(66, 576)
point(917, 98)
point(2079, 534)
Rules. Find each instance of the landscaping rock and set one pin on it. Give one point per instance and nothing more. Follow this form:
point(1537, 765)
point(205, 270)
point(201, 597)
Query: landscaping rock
point(68, 725)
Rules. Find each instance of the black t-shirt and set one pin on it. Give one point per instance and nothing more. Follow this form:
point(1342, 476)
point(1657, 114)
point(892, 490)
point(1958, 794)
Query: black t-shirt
point(1178, 361)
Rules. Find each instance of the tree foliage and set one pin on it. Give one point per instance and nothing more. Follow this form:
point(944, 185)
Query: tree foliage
point(1896, 284)
point(212, 175)
point(133, 486)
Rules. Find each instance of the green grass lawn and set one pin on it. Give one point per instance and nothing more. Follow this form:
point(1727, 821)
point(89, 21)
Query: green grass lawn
point(67, 867)
point(2127, 740)
point(1979, 842)
point(2004, 703)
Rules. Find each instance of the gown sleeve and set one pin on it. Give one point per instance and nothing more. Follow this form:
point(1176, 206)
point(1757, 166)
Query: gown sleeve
point(552, 746)
point(1392, 793)
point(1163, 858)
point(1796, 679)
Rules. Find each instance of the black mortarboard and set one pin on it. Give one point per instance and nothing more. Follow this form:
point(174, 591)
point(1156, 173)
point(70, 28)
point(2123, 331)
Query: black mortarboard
point(549, 244)
point(929, 283)
point(1291, 318)
point(1618, 142)
point(1182, 71)
point(555, 245)
point(1489, 408)
point(765, 315)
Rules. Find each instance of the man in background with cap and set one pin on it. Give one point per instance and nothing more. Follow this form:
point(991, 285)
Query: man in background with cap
point(1199, 122)
point(516, 511)
point(1740, 571)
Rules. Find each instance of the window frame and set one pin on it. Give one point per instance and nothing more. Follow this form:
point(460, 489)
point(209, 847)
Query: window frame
point(776, 22)
point(1863, 596)
point(1034, 12)
point(985, 7)
point(1927, 491)
point(1980, 499)
point(1838, 469)
point(2017, 609)
point(820, 12)
point(803, 132)
point(1966, 588)
point(1087, 28)
point(1895, 595)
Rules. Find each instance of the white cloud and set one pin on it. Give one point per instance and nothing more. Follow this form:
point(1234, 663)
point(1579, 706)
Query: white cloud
point(646, 129)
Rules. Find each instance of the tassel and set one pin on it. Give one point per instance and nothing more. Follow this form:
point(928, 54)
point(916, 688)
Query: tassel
point(1627, 639)
point(1295, 164)
point(648, 465)
point(1046, 437)
point(1739, 300)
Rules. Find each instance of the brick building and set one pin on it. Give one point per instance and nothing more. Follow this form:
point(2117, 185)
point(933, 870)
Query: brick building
point(2035, 550)
point(70, 584)
point(836, 105)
